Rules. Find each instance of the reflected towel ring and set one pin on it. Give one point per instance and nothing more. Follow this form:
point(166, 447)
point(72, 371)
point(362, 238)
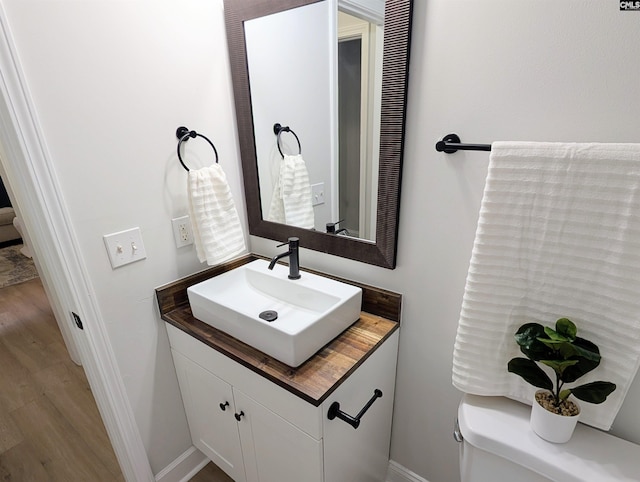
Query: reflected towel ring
point(183, 134)
point(277, 130)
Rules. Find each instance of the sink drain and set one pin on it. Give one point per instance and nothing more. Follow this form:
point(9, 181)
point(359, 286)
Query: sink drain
point(269, 315)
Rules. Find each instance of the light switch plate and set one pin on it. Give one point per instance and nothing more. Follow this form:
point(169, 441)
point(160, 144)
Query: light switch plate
point(317, 194)
point(124, 247)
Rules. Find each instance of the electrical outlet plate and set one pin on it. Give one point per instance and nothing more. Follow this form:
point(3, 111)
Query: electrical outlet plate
point(124, 247)
point(182, 231)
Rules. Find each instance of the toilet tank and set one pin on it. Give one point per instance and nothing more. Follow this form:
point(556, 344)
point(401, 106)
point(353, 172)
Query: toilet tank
point(498, 444)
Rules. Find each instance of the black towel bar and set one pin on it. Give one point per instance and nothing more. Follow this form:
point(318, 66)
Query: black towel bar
point(184, 134)
point(451, 143)
point(334, 410)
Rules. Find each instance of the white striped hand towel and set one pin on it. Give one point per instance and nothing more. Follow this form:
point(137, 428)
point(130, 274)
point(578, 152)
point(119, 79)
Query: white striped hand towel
point(276, 209)
point(558, 236)
point(217, 232)
point(291, 202)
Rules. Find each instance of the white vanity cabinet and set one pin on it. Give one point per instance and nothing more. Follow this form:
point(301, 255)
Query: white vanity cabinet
point(241, 436)
point(210, 408)
point(275, 449)
point(256, 430)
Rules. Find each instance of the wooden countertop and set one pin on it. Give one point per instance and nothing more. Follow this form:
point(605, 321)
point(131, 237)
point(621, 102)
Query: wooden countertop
point(319, 376)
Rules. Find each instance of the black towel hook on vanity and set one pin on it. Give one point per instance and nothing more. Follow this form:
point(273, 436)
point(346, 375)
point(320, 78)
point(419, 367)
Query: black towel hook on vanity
point(334, 410)
point(279, 129)
point(451, 143)
point(183, 134)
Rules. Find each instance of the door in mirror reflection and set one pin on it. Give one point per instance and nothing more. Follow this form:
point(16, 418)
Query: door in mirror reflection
point(349, 133)
point(360, 45)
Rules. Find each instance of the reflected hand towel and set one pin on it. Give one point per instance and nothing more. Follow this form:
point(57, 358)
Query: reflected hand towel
point(291, 202)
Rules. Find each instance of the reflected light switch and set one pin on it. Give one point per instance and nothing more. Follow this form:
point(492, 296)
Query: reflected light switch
point(124, 247)
point(317, 194)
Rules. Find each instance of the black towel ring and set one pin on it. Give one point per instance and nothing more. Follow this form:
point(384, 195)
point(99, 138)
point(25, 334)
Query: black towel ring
point(183, 134)
point(277, 130)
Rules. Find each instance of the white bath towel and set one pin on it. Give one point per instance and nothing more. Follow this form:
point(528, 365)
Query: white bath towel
point(558, 236)
point(291, 202)
point(217, 232)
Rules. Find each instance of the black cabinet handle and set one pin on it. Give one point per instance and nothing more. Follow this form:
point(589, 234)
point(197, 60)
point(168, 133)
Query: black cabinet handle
point(334, 411)
point(223, 406)
point(238, 415)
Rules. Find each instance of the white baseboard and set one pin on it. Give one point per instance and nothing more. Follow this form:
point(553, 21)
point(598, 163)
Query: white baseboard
point(398, 473)
point(184, 467)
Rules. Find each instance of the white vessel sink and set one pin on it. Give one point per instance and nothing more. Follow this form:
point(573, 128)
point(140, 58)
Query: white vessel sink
point(311, 311)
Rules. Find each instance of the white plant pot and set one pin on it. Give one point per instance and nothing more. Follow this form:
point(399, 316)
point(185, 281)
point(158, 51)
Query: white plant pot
point(551, 426)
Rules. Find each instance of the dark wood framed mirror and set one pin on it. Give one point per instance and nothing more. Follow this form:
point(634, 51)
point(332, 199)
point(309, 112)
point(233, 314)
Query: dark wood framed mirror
point(381, 250)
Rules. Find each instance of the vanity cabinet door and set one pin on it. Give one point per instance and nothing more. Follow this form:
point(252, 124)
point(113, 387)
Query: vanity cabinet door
point(275, 450)
point(210, 409)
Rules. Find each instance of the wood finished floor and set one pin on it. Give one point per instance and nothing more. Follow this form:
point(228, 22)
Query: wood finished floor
point(211, 473)
point(50, 428)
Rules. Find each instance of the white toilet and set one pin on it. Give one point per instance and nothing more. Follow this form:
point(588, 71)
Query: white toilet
point(496, 443)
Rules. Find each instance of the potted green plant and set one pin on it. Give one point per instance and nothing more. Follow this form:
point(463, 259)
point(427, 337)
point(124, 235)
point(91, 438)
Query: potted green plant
point(570, 357)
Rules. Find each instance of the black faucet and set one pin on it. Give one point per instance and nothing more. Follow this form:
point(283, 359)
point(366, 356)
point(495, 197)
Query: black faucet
point(294, 258)
point(331, 228)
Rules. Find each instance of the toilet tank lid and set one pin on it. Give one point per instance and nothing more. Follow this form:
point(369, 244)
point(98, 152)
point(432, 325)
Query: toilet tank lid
point(501, 426)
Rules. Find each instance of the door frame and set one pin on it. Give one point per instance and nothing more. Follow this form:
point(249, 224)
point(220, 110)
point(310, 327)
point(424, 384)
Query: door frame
point(31, 174)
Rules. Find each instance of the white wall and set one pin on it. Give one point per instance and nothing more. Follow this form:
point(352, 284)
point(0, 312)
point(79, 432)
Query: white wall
point(491, 70)
point(111, 82)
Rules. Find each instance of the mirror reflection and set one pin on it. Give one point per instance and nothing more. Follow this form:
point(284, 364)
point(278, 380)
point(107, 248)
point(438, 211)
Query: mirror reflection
point(273, 93)
point(317, 71)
